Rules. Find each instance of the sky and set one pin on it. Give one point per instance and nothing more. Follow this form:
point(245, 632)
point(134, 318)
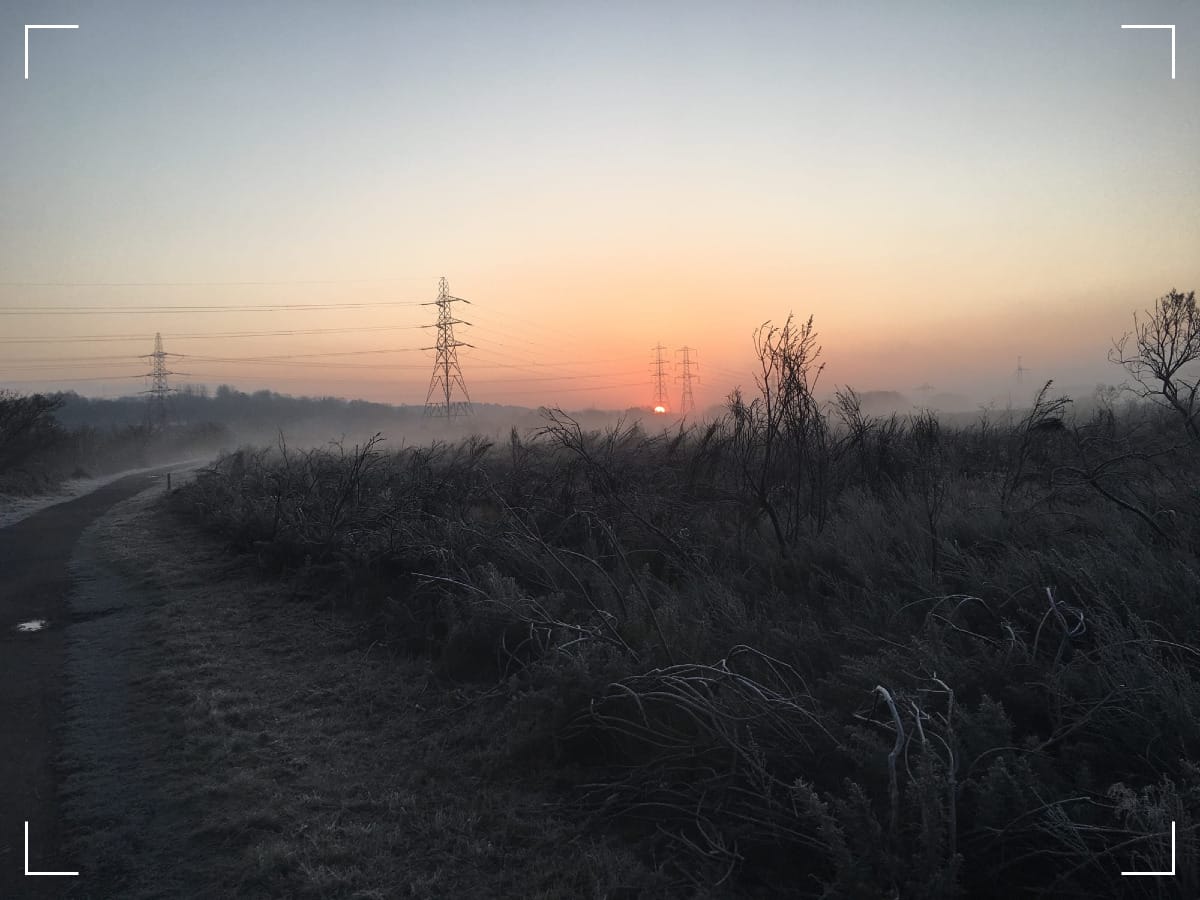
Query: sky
point(944, 187)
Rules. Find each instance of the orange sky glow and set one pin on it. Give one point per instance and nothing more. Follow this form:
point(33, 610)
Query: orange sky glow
point(977, 186)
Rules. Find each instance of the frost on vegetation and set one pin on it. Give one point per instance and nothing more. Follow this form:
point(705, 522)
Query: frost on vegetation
point(797, 644)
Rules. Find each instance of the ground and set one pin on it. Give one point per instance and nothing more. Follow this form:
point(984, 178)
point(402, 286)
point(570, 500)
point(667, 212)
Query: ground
point(222, 736)
point(35, 620)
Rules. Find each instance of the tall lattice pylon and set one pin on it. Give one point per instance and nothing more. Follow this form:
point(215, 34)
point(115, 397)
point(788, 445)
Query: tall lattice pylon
point(688, 362)
point(446, 371)
point(658, 368)
point(156, 411)
point(1021, 371)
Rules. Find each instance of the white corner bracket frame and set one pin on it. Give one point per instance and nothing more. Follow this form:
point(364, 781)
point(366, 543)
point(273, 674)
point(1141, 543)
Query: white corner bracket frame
point(1172, 29)
point(1172, 872)
point(27, 872)
point(27, 30)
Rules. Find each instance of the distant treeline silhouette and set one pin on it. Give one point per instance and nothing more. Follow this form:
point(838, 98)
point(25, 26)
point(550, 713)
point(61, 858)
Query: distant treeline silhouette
point(38, 451)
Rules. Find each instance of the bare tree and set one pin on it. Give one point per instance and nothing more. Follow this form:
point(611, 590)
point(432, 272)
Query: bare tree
point(27, 426)
point(1164, 355)
point(781, 437)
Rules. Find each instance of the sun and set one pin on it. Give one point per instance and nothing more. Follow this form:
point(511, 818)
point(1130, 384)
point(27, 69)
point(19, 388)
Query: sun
point(659, 410)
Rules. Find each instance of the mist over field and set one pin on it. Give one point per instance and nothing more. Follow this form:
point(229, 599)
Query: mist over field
point(687, 449)
point(91, 436)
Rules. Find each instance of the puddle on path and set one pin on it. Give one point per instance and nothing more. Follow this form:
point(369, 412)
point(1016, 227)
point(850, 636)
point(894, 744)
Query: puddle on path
point(33, 625)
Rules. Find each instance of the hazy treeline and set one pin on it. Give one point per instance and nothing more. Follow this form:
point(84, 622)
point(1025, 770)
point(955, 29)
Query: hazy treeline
point(799, 648)
point(234, 409)
point(45, 438)
point(261, 416)
point(37, 450)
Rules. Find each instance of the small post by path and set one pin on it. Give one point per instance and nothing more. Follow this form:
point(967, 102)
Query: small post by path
point(168, 481)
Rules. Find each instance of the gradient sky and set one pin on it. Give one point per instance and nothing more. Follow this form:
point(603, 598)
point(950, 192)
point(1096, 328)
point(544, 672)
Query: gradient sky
point(944, 186)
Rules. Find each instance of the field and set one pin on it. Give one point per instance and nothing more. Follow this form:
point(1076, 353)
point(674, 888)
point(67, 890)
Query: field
point(796, 650)
point(223, 740)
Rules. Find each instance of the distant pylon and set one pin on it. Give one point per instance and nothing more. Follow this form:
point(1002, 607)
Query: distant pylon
point(156, 412)
point(687, 402)
point(659, 370)
point(446, 371)
point(1021, 371)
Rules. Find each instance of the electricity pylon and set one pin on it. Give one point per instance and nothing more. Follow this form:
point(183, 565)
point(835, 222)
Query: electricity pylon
point(687, 402)
point(156, 412)
point(446, 371)
point(1021, 371)
point(659, 370)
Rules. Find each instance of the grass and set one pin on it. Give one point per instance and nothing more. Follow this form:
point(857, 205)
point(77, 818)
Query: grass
point(279, 752)
point(795, 651)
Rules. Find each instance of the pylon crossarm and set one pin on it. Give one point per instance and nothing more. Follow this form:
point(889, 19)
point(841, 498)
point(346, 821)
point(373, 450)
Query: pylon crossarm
point(447, 373)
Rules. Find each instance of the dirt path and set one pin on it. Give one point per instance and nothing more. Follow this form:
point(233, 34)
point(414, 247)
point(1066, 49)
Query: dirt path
point(16, 509)
point(34, 585)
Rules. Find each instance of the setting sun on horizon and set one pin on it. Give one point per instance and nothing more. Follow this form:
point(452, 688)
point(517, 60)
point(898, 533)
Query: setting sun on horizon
point(943, 189)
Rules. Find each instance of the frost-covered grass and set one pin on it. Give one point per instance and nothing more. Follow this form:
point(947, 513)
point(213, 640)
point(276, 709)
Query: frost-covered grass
point(223, 741)
point(811, 655)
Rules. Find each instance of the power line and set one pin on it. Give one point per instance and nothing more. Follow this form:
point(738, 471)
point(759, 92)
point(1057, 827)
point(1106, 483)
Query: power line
point(557, 335)
point(445, 385)
point(729, 373)
point(57, 380)
point(203, 335)
point(157, 284)
point(548, 378)
point(291, 363)
point(157, 411)
point(659, 368)
point(232, 377)
point(49, 362)
point(687, 402)
point(541, 365)
point(205, 308)
point(446, 371)
point(597, 387)
point(284, 356)
point(87, 360)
